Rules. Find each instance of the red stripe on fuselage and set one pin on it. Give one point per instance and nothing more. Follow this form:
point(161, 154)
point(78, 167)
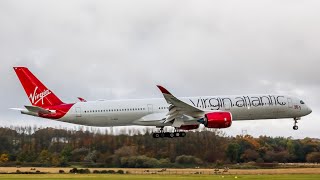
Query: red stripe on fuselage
point(61, 110)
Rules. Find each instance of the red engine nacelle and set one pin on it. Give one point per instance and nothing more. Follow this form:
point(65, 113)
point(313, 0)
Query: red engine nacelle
point(189, 127)
point(218, 120)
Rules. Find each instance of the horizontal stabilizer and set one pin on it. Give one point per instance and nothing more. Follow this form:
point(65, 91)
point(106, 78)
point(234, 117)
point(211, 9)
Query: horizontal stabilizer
point(36, 109)
point(17, 109)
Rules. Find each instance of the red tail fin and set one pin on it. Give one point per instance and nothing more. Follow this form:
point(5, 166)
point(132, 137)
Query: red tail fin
point(38, 94)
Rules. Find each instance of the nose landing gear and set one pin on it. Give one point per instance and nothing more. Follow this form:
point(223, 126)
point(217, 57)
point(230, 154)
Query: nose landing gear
point(295, 127)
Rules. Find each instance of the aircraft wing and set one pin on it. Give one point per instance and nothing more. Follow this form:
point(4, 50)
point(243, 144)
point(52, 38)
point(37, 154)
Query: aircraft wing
point(179, 109)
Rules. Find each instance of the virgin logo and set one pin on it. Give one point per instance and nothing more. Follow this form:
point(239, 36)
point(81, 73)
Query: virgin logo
point(35, 97)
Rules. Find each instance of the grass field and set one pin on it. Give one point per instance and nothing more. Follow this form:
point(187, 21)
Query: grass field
point(141, 171)
point(158, 177)
point(175, 174)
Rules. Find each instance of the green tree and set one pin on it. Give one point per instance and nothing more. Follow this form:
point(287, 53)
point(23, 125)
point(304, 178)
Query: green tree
point(233, 152)
point(66, 153)
point(139, 162)
point(55, 159)
point(250, 155)
point(5, 145)
point(45, 157)
point(27, 157)
point(188, 160)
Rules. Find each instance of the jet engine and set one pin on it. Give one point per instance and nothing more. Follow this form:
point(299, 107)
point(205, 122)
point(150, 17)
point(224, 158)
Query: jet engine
point(219, 119)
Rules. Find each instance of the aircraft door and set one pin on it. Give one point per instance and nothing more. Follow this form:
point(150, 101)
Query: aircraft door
point(290, 102)
point(78, 112)
point(150, 108)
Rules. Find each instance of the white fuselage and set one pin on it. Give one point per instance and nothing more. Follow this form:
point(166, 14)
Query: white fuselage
point(152, 112)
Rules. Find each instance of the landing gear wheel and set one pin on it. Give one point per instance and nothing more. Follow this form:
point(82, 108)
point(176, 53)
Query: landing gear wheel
point(156, 135)
point(162, 135)
point(177, 134)
point(183, 134)
point(171, 135)
point(295, 127)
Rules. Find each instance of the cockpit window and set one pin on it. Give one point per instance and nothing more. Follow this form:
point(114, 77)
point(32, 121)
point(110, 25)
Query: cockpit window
point(301, 102)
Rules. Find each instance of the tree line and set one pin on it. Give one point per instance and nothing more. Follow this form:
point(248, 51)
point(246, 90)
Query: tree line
point(31, 146)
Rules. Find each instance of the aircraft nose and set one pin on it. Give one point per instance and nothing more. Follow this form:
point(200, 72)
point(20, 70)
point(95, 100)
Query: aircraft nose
point(309, 110)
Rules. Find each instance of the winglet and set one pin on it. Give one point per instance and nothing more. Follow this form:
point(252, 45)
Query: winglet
point(163, 90)
point(81, 99)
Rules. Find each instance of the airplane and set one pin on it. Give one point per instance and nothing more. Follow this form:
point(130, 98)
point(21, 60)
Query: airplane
point(185, 113)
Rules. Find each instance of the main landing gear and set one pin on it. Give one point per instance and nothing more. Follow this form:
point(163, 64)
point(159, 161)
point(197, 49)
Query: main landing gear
point(163, 134)
point(295, 127)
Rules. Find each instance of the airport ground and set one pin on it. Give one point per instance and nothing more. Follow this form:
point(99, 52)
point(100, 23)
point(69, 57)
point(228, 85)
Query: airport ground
point(193, 171)
point(157, 176)
point(53, 173)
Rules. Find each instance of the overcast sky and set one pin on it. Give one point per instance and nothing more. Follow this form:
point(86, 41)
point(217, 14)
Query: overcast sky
point(122, 49)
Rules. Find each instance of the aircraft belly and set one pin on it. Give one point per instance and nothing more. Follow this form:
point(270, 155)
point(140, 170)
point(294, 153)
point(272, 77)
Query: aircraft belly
point(102, 120)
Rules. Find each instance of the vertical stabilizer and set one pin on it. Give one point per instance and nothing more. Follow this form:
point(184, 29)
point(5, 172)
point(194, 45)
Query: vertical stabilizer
point(38, 94)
